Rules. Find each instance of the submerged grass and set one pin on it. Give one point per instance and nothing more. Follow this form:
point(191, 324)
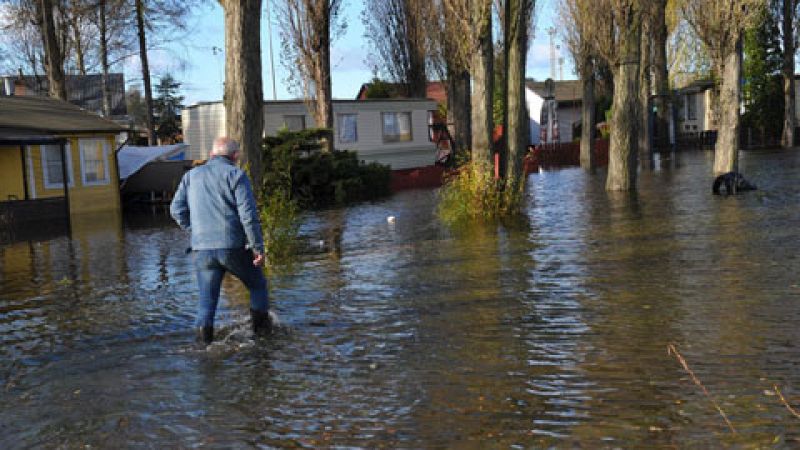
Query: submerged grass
point(472, 193)
point(280, 218)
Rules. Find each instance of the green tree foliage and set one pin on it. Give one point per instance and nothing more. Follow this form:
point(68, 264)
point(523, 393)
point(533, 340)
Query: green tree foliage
point(763, 89)
point(294, 163)
point(378, 88)
point(166, 107)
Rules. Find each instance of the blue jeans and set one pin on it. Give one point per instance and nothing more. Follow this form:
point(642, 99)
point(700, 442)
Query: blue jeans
point(211, 265)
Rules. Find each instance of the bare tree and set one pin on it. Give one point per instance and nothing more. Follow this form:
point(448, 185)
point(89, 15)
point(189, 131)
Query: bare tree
point(396, 31)
point(244, 96)
point(22, 39)
point(148, 91)
point(103, 40)
point(154, 17)
point(307, 28)
point(518, 15)
point(577, 25)
point(53, 50)
point(789, 50)
point(720, 25)
point(645, 79)
point(470, 49)
point(618, 40)
point(660, 77)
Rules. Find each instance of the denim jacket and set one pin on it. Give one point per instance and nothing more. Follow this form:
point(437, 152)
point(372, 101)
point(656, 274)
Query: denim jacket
point(215, 203)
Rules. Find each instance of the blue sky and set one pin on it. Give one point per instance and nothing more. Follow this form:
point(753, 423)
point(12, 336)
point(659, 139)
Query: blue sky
point(197, 61)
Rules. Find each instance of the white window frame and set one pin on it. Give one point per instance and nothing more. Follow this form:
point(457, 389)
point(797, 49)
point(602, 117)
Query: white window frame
point(107, 178)
point(340, 124)
point(399, 139)
point(45, 173)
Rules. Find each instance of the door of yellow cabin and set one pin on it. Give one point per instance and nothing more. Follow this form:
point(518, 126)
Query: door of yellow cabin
point(12, 180)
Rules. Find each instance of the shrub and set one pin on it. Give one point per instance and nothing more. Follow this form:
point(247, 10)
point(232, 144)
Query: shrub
point(472, 193)
point(281, 222)
point(293, 161)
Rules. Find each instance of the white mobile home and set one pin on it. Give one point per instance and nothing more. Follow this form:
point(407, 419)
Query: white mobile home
point(569, 96)
point(388, 131)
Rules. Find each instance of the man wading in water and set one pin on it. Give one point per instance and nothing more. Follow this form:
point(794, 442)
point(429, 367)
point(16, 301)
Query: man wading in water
point(215, 203)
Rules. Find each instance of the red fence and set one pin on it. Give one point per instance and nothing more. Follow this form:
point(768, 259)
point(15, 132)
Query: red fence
point(564, 155)
point(420, 177)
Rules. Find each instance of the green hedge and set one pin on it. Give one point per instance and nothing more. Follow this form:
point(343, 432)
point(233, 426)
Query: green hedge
point(294, 161)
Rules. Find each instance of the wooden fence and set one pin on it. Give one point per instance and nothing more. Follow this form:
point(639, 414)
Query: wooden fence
point(566, 154)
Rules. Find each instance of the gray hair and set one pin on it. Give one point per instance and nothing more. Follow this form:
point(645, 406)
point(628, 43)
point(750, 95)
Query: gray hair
point(224, 146)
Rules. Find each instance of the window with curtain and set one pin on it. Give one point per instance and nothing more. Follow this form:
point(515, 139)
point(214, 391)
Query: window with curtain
point(396, 126)
point(51, 166)
point(348, 128)
point(94, 161)
point(295, 122)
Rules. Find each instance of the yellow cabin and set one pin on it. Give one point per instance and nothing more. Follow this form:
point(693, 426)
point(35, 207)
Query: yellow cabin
point(37, 134)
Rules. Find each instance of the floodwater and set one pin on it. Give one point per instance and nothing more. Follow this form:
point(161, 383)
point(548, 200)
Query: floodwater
point(549, 332)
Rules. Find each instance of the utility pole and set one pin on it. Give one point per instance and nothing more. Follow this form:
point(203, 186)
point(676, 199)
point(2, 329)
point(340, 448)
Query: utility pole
point(552, 32)
point(271, 58)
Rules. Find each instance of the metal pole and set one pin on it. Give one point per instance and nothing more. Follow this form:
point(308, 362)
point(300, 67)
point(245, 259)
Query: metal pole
point(24, 172)
point(65, 181)
point(271, 58)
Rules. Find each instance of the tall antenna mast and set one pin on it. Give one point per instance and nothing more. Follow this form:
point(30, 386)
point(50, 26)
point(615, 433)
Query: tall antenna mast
point(552, 32)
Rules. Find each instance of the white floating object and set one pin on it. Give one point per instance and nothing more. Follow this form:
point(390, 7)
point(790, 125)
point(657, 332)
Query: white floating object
point(390, 219)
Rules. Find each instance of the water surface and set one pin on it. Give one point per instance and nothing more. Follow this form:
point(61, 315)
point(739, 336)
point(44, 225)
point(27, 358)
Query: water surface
point(548, 332)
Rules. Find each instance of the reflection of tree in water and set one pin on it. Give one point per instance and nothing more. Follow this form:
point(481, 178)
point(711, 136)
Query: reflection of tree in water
point(633, 314)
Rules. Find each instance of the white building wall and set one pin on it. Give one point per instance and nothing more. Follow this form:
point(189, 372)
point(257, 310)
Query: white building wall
point(203, 122)
point(567, 116)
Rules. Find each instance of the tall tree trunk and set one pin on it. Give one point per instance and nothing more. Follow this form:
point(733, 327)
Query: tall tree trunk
point(322, 83)
point(76, 36)
point(727, 147)
point(787, 138)
point(623, 152)
point(244, 98)
point(458, 108)
point(644, 92)
point(101, 11)
point(54, 55)
point(659, 73)
point(516, 122)
point(148, 92)
point(587, 114)
point(483, 83)
point(418, 81)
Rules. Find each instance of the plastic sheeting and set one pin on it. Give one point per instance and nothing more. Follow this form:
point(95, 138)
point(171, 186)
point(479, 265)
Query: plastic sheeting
point(132, 159)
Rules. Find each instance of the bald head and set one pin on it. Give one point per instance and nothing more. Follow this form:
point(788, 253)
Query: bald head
point(224, 146)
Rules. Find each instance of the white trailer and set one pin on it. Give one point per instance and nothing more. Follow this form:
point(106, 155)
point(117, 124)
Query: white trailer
point(389, 131)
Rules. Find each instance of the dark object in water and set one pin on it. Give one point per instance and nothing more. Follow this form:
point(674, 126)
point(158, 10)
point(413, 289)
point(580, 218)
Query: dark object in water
point(205, 335)
point(262, 325)
point(734, 182)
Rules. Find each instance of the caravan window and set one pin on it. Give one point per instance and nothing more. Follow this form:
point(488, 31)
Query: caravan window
point(295, 123)
point(396, 126)
point(94, 161)
point(51, 166)
point(348, 128)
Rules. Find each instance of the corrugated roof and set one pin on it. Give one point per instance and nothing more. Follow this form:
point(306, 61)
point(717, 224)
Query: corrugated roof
point(47, 115)
point(566, 90)
point(85, 91)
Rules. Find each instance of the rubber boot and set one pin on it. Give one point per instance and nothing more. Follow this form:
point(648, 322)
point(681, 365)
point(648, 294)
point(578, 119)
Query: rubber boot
point(262, 326)
point(205, 335)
